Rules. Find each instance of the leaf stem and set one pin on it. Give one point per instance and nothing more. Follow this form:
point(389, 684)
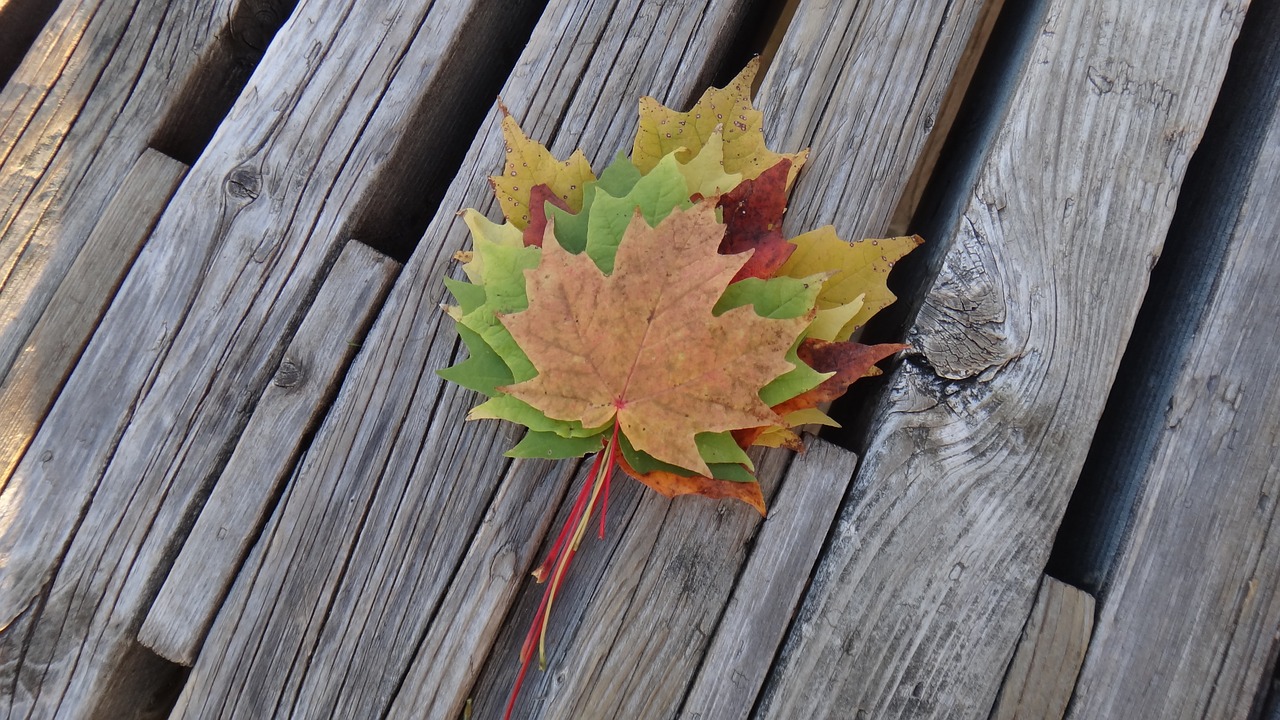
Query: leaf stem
point(562, 552)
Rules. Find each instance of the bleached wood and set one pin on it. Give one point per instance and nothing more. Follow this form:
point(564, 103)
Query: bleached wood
point(1045, 665)
point(291, 406)
point(1189, 624)
point(861, 83)
point(767, 594)
point(93, 90)
point(148, 418)
point(330, 620)
point(980, 438)
point(50, 352)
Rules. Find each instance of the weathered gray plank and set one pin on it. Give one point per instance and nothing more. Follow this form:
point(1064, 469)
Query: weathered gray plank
point(55, 343)
point(290, 408)
point(197, 329)
point(1189, 623)
point(93, 90)
point(768, 592)
point(1045, 665)
point(979, 441)
point(327, 623)
point(862, 84)
point(1100, 515)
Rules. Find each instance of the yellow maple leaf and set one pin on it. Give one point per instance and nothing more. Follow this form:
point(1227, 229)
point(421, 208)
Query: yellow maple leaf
point(642, 345)
point(864, 266)
point(705, 175)
point(529, 164)
point(663, 130)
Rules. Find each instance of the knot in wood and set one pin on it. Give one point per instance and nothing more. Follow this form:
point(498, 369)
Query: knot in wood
point(290, 373)
point(244, 182)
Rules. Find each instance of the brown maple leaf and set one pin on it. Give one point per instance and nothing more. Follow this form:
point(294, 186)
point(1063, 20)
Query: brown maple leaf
point(642, 345)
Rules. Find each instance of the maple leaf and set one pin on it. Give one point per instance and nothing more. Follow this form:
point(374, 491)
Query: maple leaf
point(663, 130)
point(861, 269)
point(705, 175)
point(641, 346)
point(671, 485)
point(841, 364)
point(528, 165)
point(753, 215)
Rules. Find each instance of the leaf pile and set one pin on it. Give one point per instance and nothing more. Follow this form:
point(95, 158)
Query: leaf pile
point(658, 315)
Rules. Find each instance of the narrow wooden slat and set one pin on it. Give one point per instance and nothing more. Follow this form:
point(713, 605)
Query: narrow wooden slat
point(862, 84)
point(983, 431)
point(80, 109)
point(1189, 623)
point(329, 623)
point(1045, 665)
point(290, 408)
point(766, 596)
point(57, 339)
point(197, 328)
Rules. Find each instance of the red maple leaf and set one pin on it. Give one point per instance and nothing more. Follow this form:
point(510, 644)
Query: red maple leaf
point(753, 218)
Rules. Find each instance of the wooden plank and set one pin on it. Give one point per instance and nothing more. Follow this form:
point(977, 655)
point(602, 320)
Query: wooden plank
point(326, 126)
point(99, 82)
point(979, 440)
point(768, 592)
point(61, 333)
point(290, 409)
point(862, 84)
point(1100, 516)
point(330, 621)
point(1189, 623)
point(1045, 665)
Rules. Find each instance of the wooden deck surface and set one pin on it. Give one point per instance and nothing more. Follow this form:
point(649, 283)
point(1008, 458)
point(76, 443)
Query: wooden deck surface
point(232, 485)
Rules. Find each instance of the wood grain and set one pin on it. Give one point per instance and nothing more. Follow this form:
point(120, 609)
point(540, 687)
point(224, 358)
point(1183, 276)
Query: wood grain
point(290, 409)
point(75, 116)
point(1045, 665)
point(862, 84)
point(773, 579)
point(979, 440)
point(1189, 624)
point(198, 328)
point(59, 336)
point(332, 618)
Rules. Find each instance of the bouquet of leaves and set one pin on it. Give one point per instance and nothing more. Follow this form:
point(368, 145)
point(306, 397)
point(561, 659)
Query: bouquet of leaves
point(656, 315)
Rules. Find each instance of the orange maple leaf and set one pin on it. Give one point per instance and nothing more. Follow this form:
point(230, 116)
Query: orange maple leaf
point(642, 345)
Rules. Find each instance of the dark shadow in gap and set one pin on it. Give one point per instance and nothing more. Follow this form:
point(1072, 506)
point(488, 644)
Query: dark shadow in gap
point(410, 185)
point(21, 22)
point(942, 203)
point(210, 90)
point(1100, 511)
